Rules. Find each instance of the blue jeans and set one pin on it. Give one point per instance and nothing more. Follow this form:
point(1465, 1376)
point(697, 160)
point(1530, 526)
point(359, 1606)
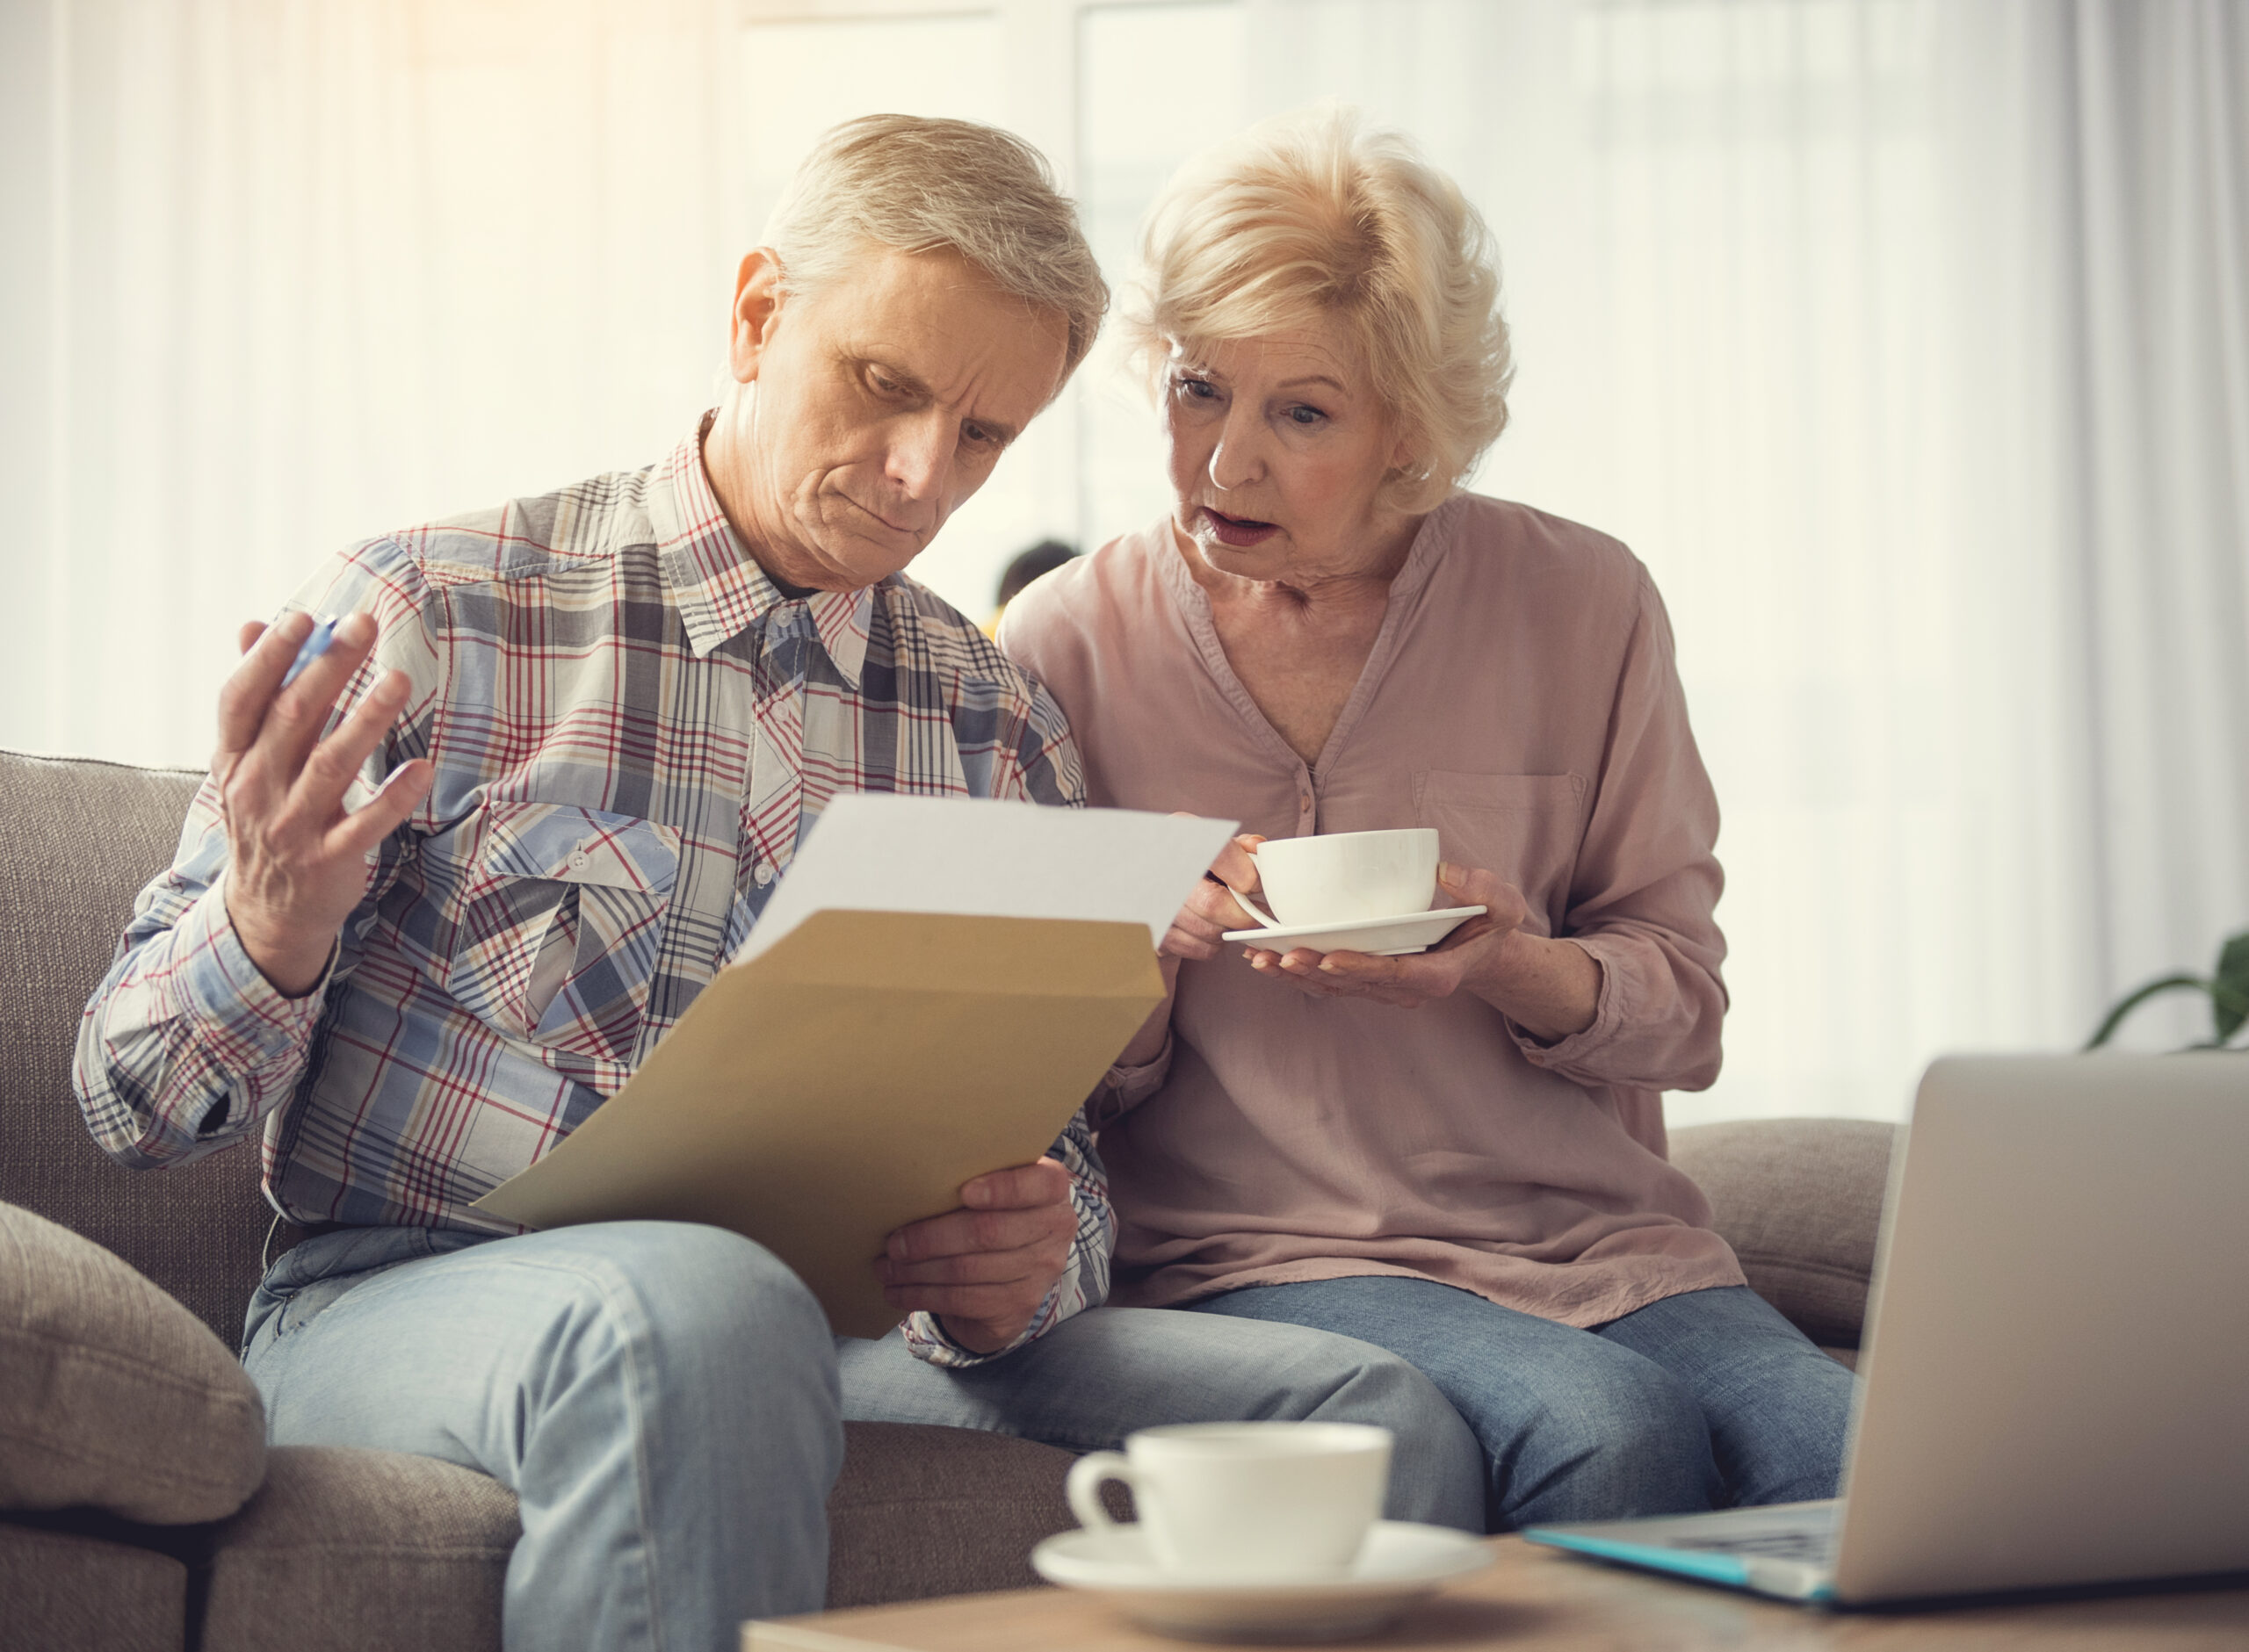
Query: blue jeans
point(1096, 1378)
point(1692, 1402)
point(660, 1397)
point(663, 1399)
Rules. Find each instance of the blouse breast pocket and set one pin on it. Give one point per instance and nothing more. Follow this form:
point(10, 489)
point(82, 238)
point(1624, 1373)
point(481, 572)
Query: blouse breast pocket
point(561, 916)
point(1524, 829)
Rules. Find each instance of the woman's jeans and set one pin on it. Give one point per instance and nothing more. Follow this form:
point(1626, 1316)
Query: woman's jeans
point(1694, 1402)
point(664, 1400)
point(1097, 1378)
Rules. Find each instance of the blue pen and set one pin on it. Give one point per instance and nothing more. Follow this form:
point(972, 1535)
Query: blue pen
point(323, 632)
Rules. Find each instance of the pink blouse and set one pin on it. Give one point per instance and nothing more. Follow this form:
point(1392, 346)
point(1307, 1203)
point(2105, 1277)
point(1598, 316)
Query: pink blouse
point(1521, 698)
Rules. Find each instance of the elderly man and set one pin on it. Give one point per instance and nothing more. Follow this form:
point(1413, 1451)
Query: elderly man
point(447, 887)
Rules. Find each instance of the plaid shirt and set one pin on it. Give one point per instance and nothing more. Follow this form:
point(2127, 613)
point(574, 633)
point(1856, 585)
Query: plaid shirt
point(632, 728)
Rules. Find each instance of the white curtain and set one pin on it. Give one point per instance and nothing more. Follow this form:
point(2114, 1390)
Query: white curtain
point(1907, 340)
point(2097, 155)
point(293, 271)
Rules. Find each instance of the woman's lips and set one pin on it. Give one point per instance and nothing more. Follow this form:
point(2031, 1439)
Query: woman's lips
point(1240, 532)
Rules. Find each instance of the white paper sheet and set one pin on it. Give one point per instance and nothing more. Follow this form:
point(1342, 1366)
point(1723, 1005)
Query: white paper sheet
point(879, 852)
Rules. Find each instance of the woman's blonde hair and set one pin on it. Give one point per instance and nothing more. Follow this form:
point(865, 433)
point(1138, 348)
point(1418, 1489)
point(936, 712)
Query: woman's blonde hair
point(916, 184)
point(1313, 217)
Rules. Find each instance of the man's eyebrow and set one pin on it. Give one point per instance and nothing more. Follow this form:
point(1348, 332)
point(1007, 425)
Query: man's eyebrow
point(914, 386)
point(897, 376)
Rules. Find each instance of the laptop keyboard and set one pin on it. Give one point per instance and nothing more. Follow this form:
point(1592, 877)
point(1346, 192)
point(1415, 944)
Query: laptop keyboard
point(1815, 1549)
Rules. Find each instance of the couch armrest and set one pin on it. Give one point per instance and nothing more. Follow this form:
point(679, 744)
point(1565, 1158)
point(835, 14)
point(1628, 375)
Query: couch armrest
point(1800, 1201)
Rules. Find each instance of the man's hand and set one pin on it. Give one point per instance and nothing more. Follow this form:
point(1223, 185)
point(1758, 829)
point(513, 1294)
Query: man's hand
point(984, 1269)
point(296, 860)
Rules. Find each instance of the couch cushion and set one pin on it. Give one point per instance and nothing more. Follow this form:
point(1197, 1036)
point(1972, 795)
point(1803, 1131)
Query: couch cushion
point(361, 1551)
point(111, 1394)
point(920, 1510)
point(1800, 1201)
point(61, 1592)
point(78, 840)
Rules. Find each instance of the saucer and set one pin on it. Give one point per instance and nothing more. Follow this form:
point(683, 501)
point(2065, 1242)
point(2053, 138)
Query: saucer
point(1400, 1563)
point(1383, 937)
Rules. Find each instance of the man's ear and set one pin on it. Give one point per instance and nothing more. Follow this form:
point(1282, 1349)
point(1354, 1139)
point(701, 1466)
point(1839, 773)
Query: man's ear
point(756, 313)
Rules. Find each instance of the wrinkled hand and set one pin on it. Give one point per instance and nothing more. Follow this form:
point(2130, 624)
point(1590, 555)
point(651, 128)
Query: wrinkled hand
point(296, 859)
point(984, 1268)
point(1408, 983)
point(1212, 910)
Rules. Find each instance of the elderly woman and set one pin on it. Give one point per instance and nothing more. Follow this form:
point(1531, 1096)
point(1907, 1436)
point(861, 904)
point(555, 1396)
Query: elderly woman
point(1457, 1155)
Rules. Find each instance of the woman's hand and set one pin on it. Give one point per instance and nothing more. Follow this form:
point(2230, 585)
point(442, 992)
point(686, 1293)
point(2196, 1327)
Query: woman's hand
point(1549, 988)
point(1195, 933)
point(1212, 910)
point(1408, 983)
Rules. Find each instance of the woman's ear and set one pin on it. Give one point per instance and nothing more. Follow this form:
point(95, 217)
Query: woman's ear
point(756, 313)
point(1406, 457)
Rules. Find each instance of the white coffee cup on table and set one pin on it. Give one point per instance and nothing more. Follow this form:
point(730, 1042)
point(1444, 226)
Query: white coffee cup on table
point(1244, 1500)
point(1347, 876)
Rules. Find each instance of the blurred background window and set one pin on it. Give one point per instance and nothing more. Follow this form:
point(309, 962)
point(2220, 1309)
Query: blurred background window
point(1906, 340)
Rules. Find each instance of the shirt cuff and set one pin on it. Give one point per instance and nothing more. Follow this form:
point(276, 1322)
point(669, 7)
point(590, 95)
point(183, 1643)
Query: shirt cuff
point(926, 1339)
point(1123, 1088)
point(222, 988)
point(1608, 1014)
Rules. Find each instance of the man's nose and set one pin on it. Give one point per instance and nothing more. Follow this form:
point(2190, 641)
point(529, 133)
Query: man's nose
point(1239, 457)
point(921, 451)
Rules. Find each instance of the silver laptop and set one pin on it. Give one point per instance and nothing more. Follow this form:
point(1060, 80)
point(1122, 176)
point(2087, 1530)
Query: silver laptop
point(2056, 1385)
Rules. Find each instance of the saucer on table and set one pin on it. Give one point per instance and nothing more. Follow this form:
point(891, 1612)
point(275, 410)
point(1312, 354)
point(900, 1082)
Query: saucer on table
point(1383, 937)
point(1400, 1563)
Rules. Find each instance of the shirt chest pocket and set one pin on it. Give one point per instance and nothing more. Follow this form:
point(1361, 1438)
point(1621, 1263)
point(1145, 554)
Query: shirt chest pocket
point(1524, 829)
point(562, 917)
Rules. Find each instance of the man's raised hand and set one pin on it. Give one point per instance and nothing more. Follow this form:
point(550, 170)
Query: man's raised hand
point(296, 858)
point(984, 1268)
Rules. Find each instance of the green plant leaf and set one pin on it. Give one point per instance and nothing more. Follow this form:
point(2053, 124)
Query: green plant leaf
point(2132, 1001)
point(2230, 987)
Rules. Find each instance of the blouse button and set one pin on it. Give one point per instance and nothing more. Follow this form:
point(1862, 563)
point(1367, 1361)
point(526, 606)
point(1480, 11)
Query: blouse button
point(764, 875)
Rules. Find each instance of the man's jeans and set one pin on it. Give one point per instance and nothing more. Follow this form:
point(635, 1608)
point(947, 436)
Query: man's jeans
point(663, 1398)
point(1096, 1378)
point(660, 1396)
point(1692, 1402)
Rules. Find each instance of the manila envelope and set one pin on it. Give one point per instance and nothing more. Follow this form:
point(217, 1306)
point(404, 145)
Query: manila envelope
point(847, 1080)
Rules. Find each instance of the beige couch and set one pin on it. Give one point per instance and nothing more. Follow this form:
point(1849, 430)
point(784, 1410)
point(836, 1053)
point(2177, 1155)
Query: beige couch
point(138, 1505)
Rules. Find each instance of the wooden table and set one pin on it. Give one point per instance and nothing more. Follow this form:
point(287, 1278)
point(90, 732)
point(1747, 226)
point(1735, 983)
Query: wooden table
point(1533, 1598)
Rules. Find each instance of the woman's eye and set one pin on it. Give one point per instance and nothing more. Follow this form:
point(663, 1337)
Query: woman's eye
point(1194, 389)
point(1305, 416)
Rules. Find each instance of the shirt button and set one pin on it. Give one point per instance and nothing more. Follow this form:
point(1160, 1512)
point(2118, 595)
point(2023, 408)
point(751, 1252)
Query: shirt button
point(580, 860)
point(1304, 803)
point(764, 875)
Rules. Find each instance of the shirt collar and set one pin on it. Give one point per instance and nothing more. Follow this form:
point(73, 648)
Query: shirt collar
point(717, 586)
point(1431, 540)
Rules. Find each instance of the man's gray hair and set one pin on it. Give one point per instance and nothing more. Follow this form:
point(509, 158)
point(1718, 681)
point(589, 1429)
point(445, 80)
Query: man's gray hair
point(916, 184)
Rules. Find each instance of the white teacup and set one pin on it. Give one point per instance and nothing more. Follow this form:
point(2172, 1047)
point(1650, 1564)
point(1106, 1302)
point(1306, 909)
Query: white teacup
point(1277, 1500)
point(1350, 874)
